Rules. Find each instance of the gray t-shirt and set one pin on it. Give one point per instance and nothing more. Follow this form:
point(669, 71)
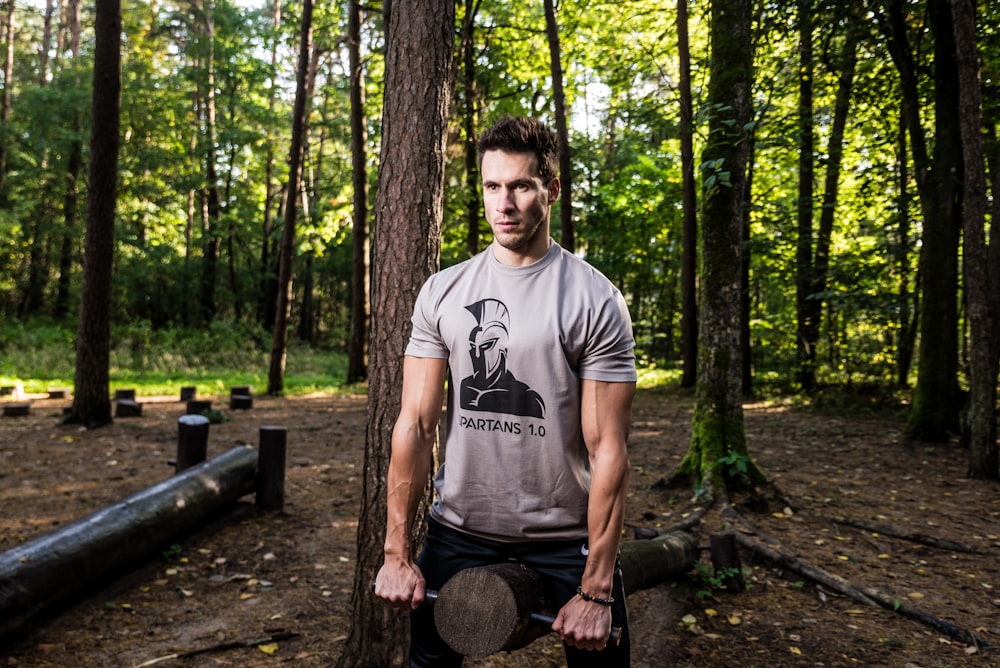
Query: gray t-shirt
point(518, 341)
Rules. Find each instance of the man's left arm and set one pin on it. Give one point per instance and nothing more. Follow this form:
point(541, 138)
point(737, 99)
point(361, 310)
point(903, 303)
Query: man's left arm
point(606, 414)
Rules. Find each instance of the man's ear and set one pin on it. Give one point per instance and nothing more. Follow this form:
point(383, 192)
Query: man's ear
point(554, 187)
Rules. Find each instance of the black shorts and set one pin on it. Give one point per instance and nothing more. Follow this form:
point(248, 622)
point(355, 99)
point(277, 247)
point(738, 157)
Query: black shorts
point(560, 565)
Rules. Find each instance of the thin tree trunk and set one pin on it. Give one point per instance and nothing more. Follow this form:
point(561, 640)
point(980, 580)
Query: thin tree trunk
point(807, 325)
point(279, 342)
point(357, 365)
point(409, 209)
point(8, 84)
point(267, 291)
point(91, 402)
point(212, 206)
point(473, 215)
point(689, 197)
point(567, 238)
point(73, 166)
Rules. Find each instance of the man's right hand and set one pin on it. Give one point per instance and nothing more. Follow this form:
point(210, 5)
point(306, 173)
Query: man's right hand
point(400, 584)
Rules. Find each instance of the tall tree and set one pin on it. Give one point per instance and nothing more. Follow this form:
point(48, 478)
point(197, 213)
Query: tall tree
point(357, 365)
point(718, 433)
point(689, 198)
point(211, 205)
point(409, 208)
point(807, 328)
point(982, 271)
point(91, 402)
point(934, 415)
point(568, 235)
point(268, 284)
point(74, 163)
point(470, 118)
point(279, 341)
point(5, 100)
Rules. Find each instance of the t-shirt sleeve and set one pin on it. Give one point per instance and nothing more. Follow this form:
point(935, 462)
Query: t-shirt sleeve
point(610, 353)
point(425, 334)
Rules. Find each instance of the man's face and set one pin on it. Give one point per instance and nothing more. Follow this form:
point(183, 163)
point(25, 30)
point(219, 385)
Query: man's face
point(517, 204)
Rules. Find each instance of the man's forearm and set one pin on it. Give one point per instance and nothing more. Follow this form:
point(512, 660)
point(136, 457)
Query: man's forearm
point(605, 520)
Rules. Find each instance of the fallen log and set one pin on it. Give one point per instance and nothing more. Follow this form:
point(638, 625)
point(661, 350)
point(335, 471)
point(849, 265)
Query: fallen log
point(61, 565)
point(501, 607)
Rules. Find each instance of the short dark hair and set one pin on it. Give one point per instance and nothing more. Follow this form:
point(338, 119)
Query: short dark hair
point(520, 134)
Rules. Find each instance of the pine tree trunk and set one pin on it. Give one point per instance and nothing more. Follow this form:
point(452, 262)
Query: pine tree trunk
point(409, 210)
point(357, 365)
point(567, 237)
point(279, 341)
point(91, 402)
point(689, 271)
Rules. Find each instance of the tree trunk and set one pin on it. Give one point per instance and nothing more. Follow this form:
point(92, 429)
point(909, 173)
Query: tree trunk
point(5, 102)
point(807, 324)
point(357, 364)
point(813, 304)
point(91, 401)
point(73, 166)
point(567, 237)
point(981, 279)
point(473, 214)
point(267, 297)
point(409, 209)
point(934, 415)
point(908, 308)
point(689, 260)
point(212, 206)
point(718, 433)
point(279, 341)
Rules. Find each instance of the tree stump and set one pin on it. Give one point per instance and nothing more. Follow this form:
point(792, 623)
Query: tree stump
point(128, 395)
point(16, 409)
point(192, 441)
point(481, 611)
point(241, 397)
point(188, 393)
point(198, 406)
point(127, 408)
point(58, 393)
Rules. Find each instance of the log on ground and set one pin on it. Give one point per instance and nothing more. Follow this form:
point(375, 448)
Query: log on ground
point(61, 565)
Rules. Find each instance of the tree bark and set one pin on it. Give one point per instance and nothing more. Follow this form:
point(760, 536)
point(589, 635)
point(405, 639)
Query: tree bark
point(934, 415)
point(409, 209)
point(279, 341)
point(718, 432)
point(5, 101)
point(981, 279)
point(91, 402)
point(689, 197)
point(357, 366)
point(567, 238)
point(473, 213)
point(807, 324)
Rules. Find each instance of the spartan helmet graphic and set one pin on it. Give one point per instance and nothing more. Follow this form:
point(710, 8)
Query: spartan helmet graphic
point(488, 340)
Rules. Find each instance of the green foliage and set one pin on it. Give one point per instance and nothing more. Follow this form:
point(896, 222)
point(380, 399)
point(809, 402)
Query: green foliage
point(159, 362)
point(708, 580)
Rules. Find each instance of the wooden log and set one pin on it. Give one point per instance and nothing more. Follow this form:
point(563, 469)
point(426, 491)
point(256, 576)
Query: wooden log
point(127, 408)
point(647, 563)
point(58, 567)
point(192, 441)
point(484, 610)
point(58, 392)
point(17, 409)
point(188, 392)
point(127, 394)
point(481, 611)
point(241, 390)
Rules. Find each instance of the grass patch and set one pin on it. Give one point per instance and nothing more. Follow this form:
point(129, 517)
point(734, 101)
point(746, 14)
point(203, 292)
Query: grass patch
point(41, 356)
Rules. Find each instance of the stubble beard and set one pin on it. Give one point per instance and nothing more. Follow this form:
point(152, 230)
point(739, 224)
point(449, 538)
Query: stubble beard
point(515, 241)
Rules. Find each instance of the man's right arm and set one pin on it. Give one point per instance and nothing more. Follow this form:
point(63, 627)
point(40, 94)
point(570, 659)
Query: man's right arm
point(399, 581)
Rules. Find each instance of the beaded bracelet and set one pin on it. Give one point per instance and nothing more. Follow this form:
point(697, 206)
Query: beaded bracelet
point(594, 599)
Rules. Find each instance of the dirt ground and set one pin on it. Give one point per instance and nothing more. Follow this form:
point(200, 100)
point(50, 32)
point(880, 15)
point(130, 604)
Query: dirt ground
point(861, 509)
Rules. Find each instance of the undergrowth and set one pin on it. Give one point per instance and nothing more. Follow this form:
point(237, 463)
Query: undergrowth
point(41, 356)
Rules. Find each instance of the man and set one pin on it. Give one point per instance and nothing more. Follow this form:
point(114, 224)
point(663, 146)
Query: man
point(539, 349)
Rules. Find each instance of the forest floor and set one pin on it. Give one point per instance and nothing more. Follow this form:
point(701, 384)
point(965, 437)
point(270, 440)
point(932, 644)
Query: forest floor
point(860, 509)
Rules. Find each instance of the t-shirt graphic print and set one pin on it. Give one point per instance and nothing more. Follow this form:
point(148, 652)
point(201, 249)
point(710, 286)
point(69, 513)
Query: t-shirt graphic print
point(492, 386)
